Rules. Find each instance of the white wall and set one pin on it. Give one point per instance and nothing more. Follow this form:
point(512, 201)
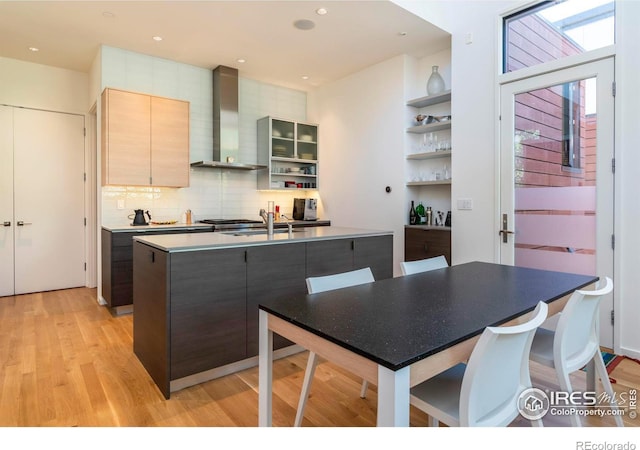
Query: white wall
point(627, 221)
point(43, 87)
point(475, 68)
point(362, 126)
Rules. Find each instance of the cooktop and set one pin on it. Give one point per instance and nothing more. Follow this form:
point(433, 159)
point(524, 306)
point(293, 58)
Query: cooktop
point(228, 221)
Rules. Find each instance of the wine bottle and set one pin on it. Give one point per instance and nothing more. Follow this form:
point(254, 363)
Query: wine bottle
point(420, 213)
point(413, 217)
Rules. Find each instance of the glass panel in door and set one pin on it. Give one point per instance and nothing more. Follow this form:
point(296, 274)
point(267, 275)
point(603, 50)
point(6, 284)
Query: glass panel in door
point(555, 178)
point(556, 181)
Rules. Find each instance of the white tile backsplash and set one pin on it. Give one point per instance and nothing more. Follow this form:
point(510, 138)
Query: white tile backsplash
point(213, 193)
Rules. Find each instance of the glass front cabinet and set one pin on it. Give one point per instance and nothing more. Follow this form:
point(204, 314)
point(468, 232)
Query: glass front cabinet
point(289, 150)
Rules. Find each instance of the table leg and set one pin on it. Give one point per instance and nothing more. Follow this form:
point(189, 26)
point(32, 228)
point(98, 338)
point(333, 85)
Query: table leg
point(393, 397)
point(265, 371)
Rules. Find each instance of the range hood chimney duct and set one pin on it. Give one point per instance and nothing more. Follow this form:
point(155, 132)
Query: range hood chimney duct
point(226, 133)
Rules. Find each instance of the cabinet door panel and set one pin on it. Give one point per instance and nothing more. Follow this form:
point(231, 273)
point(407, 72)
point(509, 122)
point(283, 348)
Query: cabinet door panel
point(375, 252)
point(151, 328)
point(127, 138)
point(169, 142)
point(329, 257)
point(420, 243)
point(208, 310)
point(274, 271)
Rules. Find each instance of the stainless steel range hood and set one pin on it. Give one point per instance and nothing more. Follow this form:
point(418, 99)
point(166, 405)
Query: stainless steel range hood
point(225, 122)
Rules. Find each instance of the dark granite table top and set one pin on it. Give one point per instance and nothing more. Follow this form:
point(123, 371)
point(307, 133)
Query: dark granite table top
point(399, 321)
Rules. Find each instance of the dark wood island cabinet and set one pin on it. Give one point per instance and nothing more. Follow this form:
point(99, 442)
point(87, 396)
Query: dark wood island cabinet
point(196, 312)
point(117, 261)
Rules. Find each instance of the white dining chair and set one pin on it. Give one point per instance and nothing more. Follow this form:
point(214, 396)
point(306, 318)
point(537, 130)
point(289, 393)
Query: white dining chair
point(575, 342)
point(423, 265)
point(322, 284)
point(483, 392)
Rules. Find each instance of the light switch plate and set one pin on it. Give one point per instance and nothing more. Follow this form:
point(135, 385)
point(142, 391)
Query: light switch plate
point(120, 204)
point(465, 204)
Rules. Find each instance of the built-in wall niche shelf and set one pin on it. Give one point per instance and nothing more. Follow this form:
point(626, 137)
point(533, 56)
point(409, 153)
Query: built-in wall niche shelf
point(430, 155)
point(430, 127)
point(428, 183)
point(430, 100)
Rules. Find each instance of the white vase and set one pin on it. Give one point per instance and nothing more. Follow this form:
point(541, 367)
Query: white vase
point(435, 84)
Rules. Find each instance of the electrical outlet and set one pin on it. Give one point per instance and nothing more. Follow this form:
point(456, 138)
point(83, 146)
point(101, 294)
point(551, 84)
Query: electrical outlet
point(465, 204)
point(120, 204)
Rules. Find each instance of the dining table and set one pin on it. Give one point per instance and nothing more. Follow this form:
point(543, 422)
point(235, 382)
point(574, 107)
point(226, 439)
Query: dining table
point(398, 332)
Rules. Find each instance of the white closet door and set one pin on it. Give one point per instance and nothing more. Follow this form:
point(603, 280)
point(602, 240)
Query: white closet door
point(6, 201)
point(49, 200)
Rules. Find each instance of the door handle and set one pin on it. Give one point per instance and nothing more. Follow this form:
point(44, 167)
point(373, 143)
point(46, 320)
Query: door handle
point(21, 223)
point(505, 235)
point(505, 232)
point(6, 224)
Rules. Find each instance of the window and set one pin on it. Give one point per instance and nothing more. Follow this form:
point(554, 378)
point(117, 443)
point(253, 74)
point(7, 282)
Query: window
point(552, 30)
point(571, 125)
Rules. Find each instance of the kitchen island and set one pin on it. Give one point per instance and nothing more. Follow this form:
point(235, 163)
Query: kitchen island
point(117, 259)
point(117, 252)
point(196, 295)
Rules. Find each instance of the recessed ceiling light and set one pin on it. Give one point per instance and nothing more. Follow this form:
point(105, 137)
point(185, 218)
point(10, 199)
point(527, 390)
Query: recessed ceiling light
point(304, 24)
point(241, 60)
point(34, 49)
point(402, 33)
point(321, 11)
point(157, 38)
point(304, 77)
point(108, 14)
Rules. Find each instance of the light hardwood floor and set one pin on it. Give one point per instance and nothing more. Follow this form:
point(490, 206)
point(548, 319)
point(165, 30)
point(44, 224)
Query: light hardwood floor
point(66, 361)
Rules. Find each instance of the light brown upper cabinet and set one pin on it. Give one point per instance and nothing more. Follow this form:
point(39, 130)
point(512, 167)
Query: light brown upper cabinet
point(145, 140)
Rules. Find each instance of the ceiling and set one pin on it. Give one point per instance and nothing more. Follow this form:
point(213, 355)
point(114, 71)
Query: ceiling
point(351, 36)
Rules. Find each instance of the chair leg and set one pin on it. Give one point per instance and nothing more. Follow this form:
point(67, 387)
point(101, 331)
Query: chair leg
point(601, 370)
point(363, 390)
point(565, 385)
point(312, 362)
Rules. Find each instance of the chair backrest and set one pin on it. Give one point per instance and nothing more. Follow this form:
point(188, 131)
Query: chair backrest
point(498, 372)
point(576, 339)
point(423, 265)
point(339, 280)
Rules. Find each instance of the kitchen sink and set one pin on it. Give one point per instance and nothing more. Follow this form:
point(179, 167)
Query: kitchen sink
point(255, 232)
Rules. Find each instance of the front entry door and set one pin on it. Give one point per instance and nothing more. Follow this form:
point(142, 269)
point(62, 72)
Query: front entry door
point(556, 194)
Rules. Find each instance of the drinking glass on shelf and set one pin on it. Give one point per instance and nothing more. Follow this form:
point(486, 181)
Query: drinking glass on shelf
point(424, 145)
point(432, 142)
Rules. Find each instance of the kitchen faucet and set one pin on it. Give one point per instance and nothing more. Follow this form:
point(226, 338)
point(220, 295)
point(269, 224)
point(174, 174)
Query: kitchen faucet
point(289, 225)
point(268, 219)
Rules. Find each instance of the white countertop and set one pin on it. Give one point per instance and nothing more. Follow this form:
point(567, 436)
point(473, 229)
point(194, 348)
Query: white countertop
point(208, 241)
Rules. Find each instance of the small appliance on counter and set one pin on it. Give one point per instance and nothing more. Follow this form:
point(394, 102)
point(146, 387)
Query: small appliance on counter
point(138, 217)
point(305, 209)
